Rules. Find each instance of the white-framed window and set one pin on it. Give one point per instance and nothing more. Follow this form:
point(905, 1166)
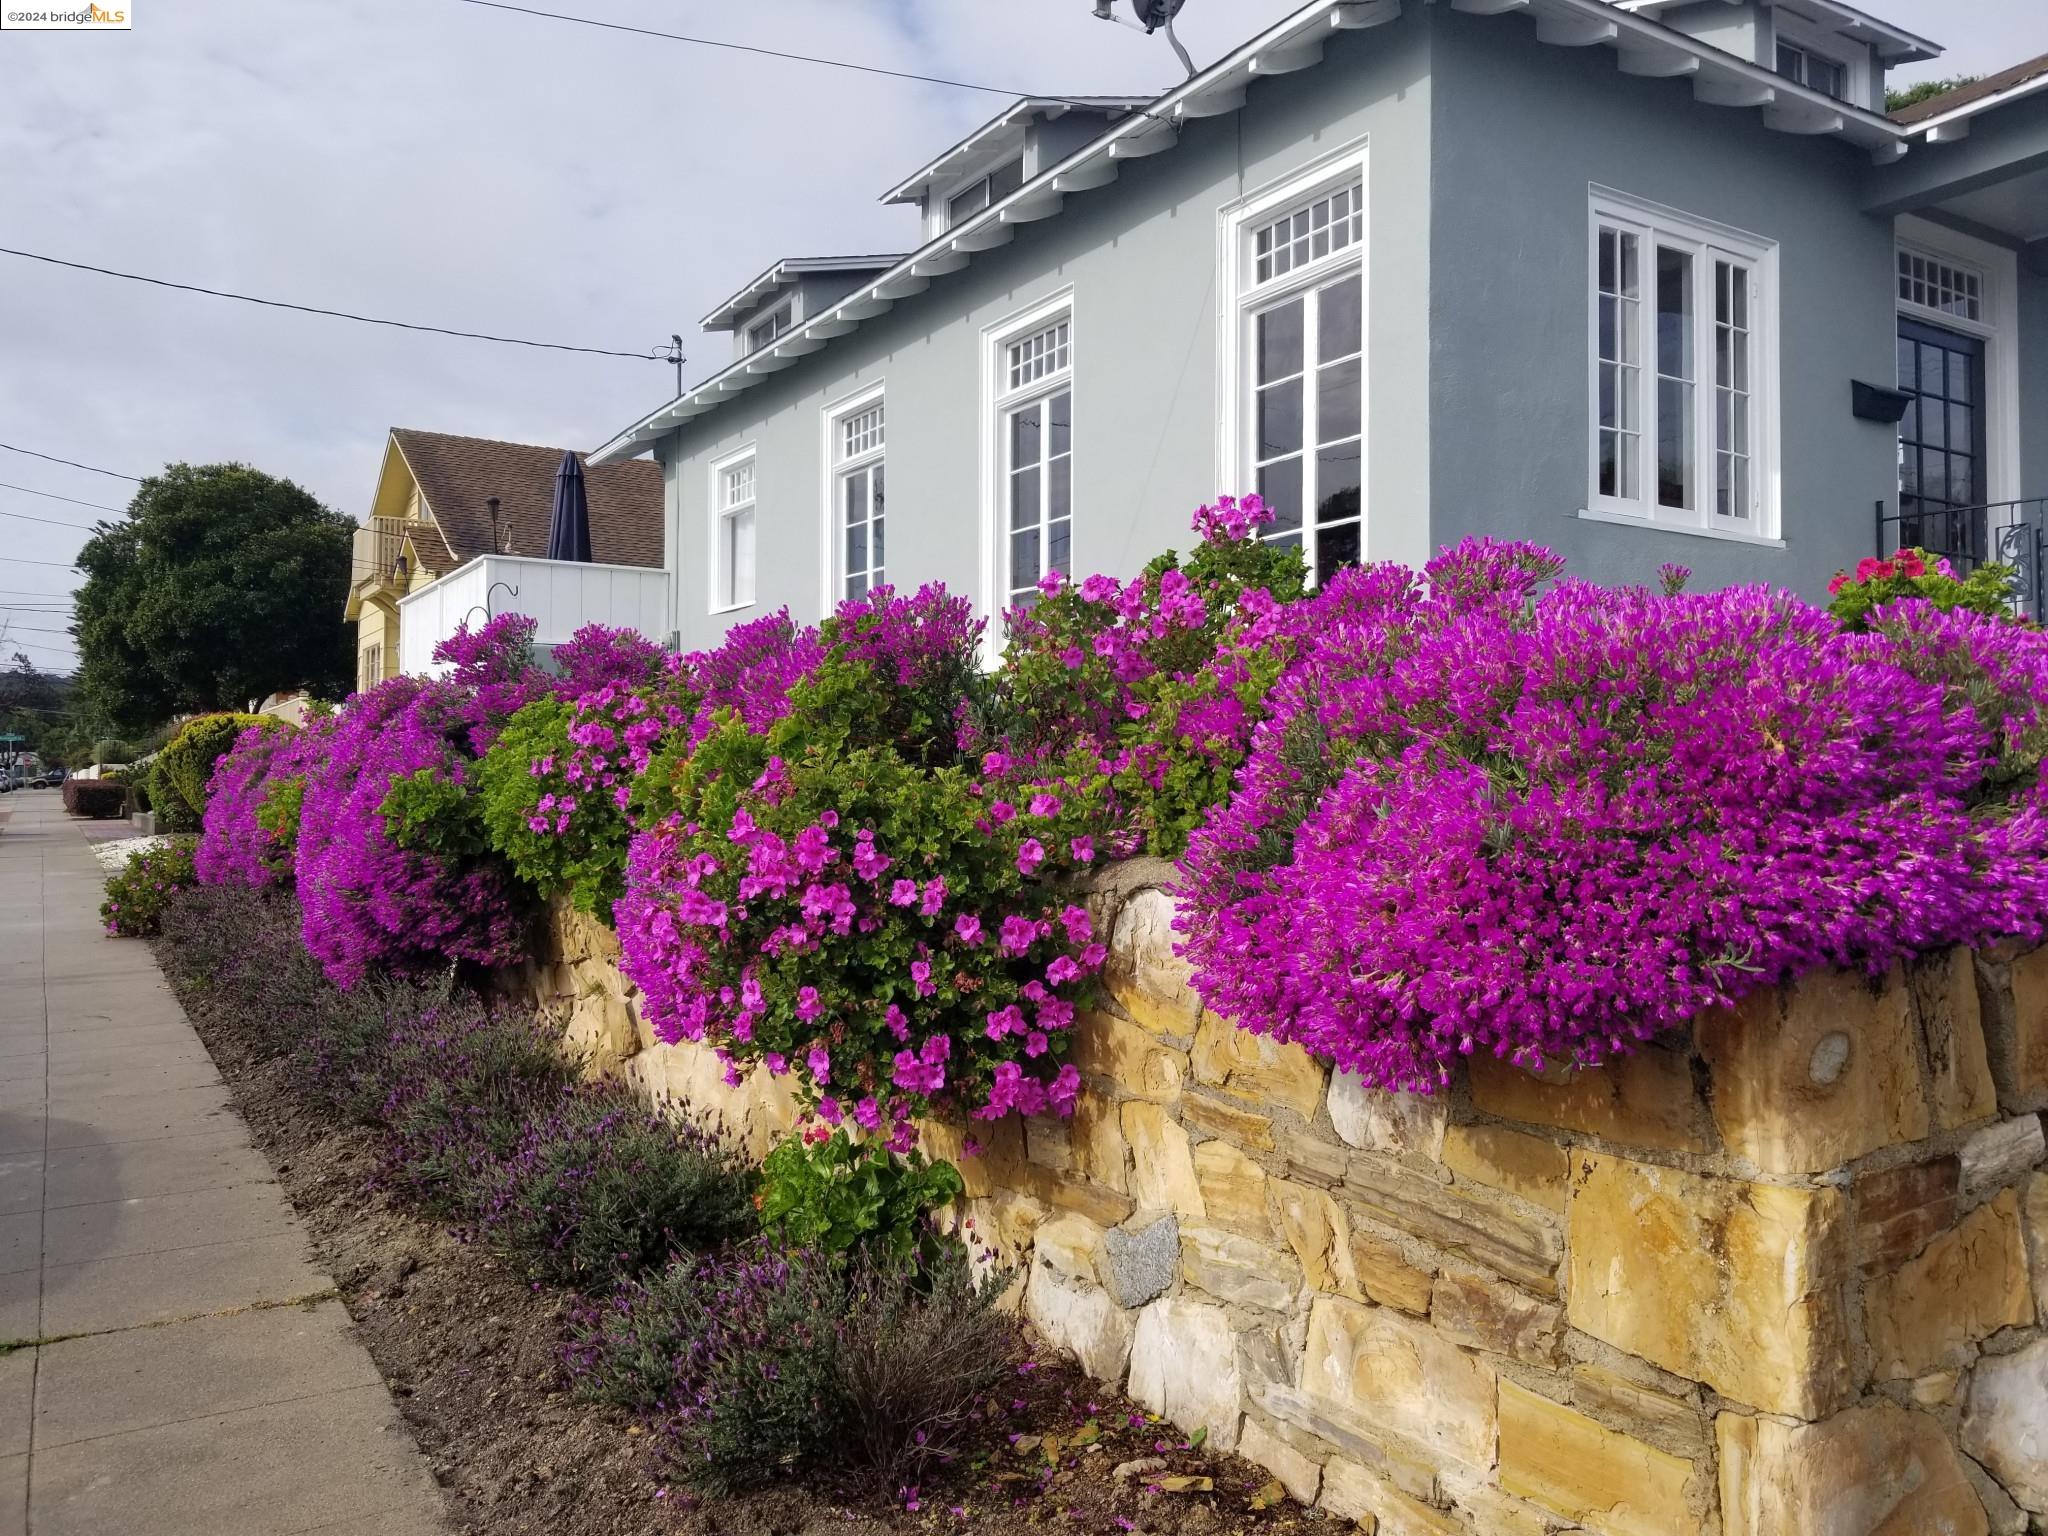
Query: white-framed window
point(371, 670)
point(856, 437)
point(732, 531)
point(1947, 287)
point(1029, 500)
point(1804, 66)
point(771, 326)
point(1682, 347)
point(1294, 393)
point(985, 191)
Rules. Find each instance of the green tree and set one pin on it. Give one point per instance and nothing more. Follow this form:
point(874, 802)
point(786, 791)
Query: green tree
point(224, 584)
point(1926, 90)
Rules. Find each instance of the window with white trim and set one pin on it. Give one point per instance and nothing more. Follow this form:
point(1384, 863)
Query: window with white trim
point(1302, 321)
point(733, 539)
point(772, 326)
point(1816, 71)
point(1681, 356)
point(859, 496)
point(1035, 446)
point(1931, 283)
point(985, 191)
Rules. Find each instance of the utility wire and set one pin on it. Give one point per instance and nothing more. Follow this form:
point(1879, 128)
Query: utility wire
point(90, 468)
point(334, 314)
point(97, 506)
point(54, 522)
point(776, 53)
point(62, 565)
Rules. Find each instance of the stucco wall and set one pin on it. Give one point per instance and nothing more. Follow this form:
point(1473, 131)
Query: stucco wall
point(2033, 376)
point(1140, 256)
point(1520, 133)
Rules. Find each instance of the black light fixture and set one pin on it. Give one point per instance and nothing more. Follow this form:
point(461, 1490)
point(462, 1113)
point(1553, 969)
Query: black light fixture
point(1877, 402)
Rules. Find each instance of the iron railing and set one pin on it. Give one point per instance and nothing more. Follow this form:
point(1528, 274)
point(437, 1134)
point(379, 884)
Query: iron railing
point(2013, 533)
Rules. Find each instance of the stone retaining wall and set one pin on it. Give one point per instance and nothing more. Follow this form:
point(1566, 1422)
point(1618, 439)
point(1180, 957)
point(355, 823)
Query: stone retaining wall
point(1784, 1278)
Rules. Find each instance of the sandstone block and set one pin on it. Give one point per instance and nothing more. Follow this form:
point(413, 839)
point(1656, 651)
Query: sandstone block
point(1644, 1100)
point(1236, 1269)
point(2034, 1217)
point(1646, 1410)
point(1213, 1117)
point(1138, 1265)
point(1481, 1312)
point(1300, 1476)
point(1120, 1053)
point(1103, 1207)
point(1353, 1493)
point(1049, 1143)
point(1233, 1189)
point(1467, 1222)
point(1184, 1368)
point(1004, 1224)
point(1143, 974)
point(1162, 1163)
point(1312, 1160)
point(2016, 1028)
point(1373, 1364)
point(1316, 1229)
point(1069, 1243)
point(2005, 1423)
point(1377, 1121)
point(1096, 1140)
point(1320, 1424)
point(1079, 1317)
point(1811, 1076)
point(602, 1032)
point(1901, 1210)
point(1257, 1067)
point(1738, 1285)
point(1965, 1286)
point(1577, 1468)
point(1874, 1470)
point(1537, 1170)
point(2000, 1154)
point(1951, 1025)
point(1386, 1274)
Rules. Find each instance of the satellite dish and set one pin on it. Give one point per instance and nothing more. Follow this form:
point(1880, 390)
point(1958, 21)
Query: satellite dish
point(1154, 14)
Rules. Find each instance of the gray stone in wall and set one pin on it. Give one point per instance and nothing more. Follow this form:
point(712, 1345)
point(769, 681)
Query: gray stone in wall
point(1997, 1155)
point(1138, 1265)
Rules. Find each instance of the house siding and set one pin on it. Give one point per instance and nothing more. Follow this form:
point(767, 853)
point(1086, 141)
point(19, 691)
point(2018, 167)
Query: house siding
point(1141, 258)
point(1520, 134)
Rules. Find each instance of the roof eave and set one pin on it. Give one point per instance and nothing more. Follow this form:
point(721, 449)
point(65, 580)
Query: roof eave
point(1644, 47)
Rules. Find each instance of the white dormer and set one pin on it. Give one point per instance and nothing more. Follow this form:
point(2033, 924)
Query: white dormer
point(1821, 44)
point(788, 294)
point(1032, 135)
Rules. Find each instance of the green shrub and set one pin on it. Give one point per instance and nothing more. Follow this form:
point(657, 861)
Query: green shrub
point(140, 894)
point(836, 1194)
point(95, 798)
point(180, 772)
point(1915, 573)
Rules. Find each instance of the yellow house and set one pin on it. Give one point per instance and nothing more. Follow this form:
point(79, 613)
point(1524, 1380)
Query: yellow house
point(432, 514)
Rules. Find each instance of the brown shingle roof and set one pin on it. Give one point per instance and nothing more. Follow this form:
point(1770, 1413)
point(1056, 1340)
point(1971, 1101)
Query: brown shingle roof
point(457, 474)
point(1976, 90)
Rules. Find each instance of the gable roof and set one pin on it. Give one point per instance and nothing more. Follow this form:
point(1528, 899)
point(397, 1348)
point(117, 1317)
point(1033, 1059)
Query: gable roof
point(788, 270)
point(1977, 95)
point(456, 475)
point(1644, 47)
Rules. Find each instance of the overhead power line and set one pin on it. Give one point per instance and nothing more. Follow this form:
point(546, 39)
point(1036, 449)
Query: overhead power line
point(54, 522)
point(97, 506)
point(73, 463)
point(62, 565)
point(777, 53)
point(660, 355)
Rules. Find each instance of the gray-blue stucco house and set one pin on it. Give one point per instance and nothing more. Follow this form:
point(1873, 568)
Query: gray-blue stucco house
point(1642, 281)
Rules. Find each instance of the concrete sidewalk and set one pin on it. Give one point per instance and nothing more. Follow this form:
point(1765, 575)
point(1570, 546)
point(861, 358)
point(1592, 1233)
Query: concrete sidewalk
point(182, 1366)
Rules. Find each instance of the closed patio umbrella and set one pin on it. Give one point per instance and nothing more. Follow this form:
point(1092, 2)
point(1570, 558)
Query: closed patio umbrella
point(569, 526)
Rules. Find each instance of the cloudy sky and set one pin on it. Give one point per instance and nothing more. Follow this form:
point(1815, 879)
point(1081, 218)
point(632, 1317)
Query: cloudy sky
point(431, 160)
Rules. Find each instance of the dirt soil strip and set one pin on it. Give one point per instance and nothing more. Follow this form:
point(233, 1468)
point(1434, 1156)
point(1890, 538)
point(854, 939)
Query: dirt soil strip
point(472, 1356)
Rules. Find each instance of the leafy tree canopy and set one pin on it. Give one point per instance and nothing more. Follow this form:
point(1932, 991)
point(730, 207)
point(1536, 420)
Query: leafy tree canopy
point(224, 584)
point(1926, 90)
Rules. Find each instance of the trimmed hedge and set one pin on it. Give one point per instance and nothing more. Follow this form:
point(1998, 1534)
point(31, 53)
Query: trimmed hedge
point(180, 773)
point(95, 798)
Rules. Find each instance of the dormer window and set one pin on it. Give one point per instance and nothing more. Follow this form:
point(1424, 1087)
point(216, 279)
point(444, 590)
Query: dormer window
point(1815, 71)
point(771, 326)
point(985, 192)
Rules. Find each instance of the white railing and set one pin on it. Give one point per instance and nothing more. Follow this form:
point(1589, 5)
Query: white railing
point(561, 596)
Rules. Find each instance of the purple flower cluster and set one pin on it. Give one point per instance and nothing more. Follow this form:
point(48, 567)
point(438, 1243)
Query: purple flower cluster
point(751, 674)
point(234, 847)
point(597, 657)
point(1549, 826)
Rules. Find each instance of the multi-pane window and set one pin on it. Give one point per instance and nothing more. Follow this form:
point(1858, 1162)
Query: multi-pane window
point(771, 327)
point(1814, 70)
point(733, 570)
point(1304, 341)
point(370, 672)
point(985, 192)
point(1940, 285)
point(1035, 422)
point(860, 497)
point(1677, 397)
